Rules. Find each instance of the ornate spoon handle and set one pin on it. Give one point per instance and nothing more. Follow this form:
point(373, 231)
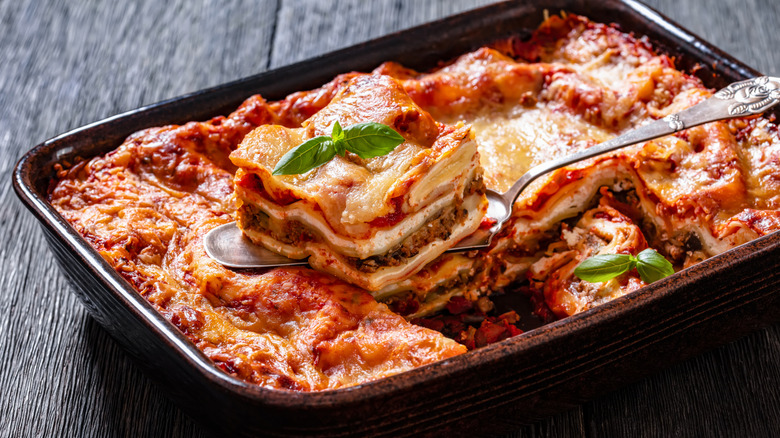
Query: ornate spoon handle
point(751, 97)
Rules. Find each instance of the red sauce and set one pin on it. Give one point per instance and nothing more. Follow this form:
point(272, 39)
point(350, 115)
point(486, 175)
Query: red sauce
point(393, 218)
point(468, 325)
point(560, 179)
point(487, 223)
point(253, 182)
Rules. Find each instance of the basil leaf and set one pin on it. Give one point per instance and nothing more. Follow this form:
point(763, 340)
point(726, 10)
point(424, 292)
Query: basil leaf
point(368, 140)
point(339, 141)
point(604, 267)
point(306, 156)
point(653, 266)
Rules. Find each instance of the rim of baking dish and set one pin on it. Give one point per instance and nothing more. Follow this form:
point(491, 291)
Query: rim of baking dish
point(149, 316)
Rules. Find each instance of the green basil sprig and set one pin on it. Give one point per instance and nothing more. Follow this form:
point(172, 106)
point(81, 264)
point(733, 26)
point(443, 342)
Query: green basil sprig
point(366, 140)
point(651, 266)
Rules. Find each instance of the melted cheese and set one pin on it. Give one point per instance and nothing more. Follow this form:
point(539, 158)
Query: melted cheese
point(514, 139)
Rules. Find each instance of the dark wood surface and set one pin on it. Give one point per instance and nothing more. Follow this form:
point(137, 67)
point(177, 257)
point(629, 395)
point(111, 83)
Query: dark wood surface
point(67, 63)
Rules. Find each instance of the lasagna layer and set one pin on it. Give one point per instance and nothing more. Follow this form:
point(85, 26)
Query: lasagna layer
point(370, 222)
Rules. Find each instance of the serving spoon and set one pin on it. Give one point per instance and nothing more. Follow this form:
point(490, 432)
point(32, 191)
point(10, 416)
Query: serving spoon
point(227, 245)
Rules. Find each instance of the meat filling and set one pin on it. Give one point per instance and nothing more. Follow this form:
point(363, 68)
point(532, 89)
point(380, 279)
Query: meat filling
point(296, 233)
point(438, 229)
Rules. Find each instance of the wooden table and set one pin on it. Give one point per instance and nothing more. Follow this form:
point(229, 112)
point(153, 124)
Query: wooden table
point(67, 63)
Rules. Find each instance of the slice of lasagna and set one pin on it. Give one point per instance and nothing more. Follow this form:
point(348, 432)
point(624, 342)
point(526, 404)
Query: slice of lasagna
point(372, 222)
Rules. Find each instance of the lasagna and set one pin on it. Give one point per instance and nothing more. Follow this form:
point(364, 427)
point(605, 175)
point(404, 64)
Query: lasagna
point(372, 222)
point(147, 205)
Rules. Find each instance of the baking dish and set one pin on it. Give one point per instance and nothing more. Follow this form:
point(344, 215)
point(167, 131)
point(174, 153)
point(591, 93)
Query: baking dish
point(548, 369)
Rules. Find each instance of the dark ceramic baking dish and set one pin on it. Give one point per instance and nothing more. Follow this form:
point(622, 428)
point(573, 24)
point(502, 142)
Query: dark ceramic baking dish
point(545, 370)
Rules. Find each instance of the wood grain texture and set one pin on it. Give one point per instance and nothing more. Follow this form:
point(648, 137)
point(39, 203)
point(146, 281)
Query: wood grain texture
point(64, 64)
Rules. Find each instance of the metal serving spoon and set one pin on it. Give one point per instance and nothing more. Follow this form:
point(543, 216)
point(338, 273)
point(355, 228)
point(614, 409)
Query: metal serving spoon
point(227, 245)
